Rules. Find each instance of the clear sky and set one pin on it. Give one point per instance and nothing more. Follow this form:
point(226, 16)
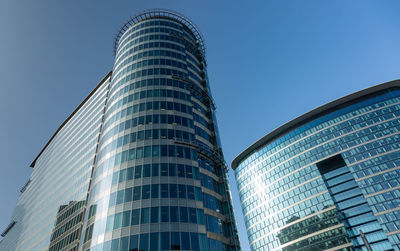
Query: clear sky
point(268, 62)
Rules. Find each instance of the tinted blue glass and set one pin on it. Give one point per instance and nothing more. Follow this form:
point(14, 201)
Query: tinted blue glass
point(133, 243)
point(174, 212)
point(175, 241)
point(183, 215)
point(144, 242)
point(155, 212)
point(135, 217)
point(165, 241)
point(154, 242)
point(185, 238)
point(145, 215)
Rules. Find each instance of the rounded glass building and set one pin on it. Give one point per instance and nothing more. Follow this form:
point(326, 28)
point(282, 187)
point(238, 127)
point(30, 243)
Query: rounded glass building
point(159, 181)
point(329, 179)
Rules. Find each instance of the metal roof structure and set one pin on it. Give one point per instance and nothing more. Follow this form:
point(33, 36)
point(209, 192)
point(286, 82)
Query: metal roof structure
point(163, 13)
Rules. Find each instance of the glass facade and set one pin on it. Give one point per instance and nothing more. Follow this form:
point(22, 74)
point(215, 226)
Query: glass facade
point(328, 180)
point(61, 176)
point(157, 178)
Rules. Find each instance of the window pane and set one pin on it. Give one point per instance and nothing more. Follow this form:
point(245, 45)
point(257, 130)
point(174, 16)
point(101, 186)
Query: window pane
point(164, 214)
point(123, 245)
point(175, 241)
point(145, 192)
point(165, 245)
point(155, 170)
point(173, 190)
point(114, 245)
point(146, 171)
point(117, 221)
point(120, 197)
point(172, 170)
point(183, 214)
point(164, 169)
point(194, 240)
point(164, 190)
point(154, 214)
point(136, 193)
point(138, 172)
point(182, 191)
point(155, 190)
point(128, 194)
point(133, 243)
point(135, 217)
point(185, 241)
point(126, 218)
point(192, 215)
point(174, 214)
point(144, 242)
point(154, 241)
point(145, 215)
point(181, 170)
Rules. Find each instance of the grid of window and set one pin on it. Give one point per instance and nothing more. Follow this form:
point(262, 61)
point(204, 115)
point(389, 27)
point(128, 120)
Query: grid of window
point(280, 181)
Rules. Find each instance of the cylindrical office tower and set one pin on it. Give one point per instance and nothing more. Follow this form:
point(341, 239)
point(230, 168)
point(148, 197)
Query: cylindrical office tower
point(159, 181)
point(329, 179)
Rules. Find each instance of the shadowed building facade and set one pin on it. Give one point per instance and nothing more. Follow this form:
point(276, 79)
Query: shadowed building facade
point(141, 154)
point(329, 179)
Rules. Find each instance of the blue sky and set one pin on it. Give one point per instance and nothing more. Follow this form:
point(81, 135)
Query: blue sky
point(268, 62)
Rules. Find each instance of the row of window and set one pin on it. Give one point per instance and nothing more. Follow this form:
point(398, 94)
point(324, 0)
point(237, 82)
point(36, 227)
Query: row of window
point(150, 106)
point(156, 170)
point(147, 120)
point(69, 212)
point(150, 53)
point(144, 24)
point(146, 215)
point(66, 226)
point(152, 38)
point(152, 215)
point(150, 72)
point(128, 41)
point(155, 93)
point(157, 82)
point(210, 167)
point(385, 201)
point(202, 121)
point(146, 135)
point(205, 135)
point(391, 221)
point(210, 183)
point(155, 191)
point(75, 235)
point(161, 241)
point(148, 82)
point(262, 223)
point(152, 151)
point(150, 62)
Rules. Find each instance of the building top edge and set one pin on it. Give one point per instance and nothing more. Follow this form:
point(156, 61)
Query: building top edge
point(70, 116)
point(164, 13)
point(313, 114)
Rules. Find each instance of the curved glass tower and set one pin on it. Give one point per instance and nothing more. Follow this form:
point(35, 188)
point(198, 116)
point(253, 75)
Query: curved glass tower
point(329, 179)
point(138, 165)
point(159, 182)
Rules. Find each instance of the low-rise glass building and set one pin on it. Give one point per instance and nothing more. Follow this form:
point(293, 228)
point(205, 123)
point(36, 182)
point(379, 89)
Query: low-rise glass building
point(329, 179)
